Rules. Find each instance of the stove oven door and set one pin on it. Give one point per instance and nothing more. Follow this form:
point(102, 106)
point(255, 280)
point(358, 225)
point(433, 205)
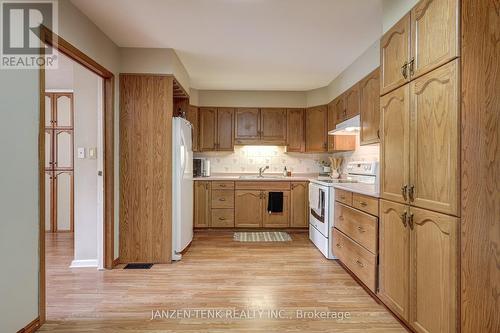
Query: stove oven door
point(318, 211)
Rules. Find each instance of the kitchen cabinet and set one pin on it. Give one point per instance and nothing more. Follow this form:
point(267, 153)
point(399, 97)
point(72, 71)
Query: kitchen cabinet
point(394, 255)
point(202, 204)
point(276, 220)
point(394, 152)
point(299, 205)
point(295, 130)
point(369, 92)
point(341, 143)
point(337, 112)
point(316, 129)
point(216, 129)
point(192, 117)
point(248, 207)
point(352, 102)
point(394, 56)
point(273, 125)
point(434, 140)
point(247, 130)
point(359, 226)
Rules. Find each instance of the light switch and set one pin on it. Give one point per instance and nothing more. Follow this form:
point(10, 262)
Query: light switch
point(81, 152)
point(93, 153)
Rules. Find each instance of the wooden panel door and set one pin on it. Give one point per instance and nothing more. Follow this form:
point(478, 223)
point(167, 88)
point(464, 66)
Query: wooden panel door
point(208, 129)
point(225, 132)
point(63, 200)
point(192, 117)
point(49, 116)
point(49, 148)
point(369, 92)
point(202, 213)
point(49, 200)
point(295, 130)
point(394, 152)
point(273, 126)
point(247, 125)
point(63, 110)
point(276, 220)
point(63, 149)
point(299, 205)
point(433, 271)
point(394, 56)
point(434, 35)
point(248, 207)
point(394, 252)
point(352, 102)
point(316, 125)
point(434, 142)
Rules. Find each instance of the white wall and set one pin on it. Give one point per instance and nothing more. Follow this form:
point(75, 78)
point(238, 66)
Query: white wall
point(239, 98)
point(394, 10)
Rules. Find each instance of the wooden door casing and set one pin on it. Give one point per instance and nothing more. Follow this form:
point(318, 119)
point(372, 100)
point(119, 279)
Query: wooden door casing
point(316, 129)
point(299, 205)
point(273, 125)
point(202, 207)
point(295, 130)
point(248, 207)
point(208, 129)
point(434, 141)
point(369, 94)
point(225, 129)
point(394, 55)
point(434, 35)
point(394, 252)
point(394, 152)
point(276, 220)
point(433, 271)
point(247, 125)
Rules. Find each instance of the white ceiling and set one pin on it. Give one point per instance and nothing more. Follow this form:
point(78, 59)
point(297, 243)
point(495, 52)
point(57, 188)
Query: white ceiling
point(246, 44)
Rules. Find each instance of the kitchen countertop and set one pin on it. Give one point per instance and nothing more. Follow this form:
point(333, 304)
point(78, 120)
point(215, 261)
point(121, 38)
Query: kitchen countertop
point(279, 177)
point(366, 189)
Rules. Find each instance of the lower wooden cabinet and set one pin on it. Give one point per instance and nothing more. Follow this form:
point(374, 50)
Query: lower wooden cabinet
point(222, 218)
point(418, 266)
point(299, 205)
point(276, 220)
point(202, 194)
point(248, 205)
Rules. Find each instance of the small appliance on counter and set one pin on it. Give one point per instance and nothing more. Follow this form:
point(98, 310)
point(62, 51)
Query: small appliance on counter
point(201, 167)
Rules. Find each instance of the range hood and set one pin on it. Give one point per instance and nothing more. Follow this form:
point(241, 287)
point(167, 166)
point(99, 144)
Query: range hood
point(349, 127)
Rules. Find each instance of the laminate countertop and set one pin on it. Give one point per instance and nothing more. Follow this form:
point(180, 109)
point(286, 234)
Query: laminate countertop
point(268, 177)
point(366, 189)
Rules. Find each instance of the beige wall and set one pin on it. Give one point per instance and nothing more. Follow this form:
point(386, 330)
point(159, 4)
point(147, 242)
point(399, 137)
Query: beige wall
point(393, 10)
point(251, 98)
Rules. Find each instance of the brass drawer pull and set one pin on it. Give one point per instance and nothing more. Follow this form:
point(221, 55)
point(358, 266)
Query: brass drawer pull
point(338, 245)
point(362, 203)
point(342, 197)
point(360, 263)
point(222, 199)
point(222, 218)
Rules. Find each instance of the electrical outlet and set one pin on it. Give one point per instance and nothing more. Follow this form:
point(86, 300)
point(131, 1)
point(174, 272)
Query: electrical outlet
point(81, 152)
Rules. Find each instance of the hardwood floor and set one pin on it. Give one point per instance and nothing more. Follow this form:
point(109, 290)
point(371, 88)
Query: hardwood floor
point(215, 273)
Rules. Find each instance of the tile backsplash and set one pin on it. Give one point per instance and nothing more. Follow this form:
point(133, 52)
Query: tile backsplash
point(250, 158)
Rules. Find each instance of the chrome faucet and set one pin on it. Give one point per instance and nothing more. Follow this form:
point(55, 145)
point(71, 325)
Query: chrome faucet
point(261, 170)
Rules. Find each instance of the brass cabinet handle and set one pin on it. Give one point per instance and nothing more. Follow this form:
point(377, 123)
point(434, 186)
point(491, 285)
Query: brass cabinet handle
point(362, 203)
point(411, 192)
point(410, 221)
point(360, 263)
point(404, 217)
point(412, 67)
point(222, 199)
point(360, 229)
point(404, 70)
point(222, 218)
point(404, 190)
point(342, 197)
point(338, 245)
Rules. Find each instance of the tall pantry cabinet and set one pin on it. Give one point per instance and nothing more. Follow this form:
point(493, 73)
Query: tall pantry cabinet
point(420, 125)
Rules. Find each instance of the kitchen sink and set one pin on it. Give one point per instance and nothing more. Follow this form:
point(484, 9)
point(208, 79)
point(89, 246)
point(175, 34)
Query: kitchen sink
point(263, 177)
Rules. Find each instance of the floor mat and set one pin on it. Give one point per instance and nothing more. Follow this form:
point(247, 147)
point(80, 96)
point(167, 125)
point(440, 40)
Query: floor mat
point(271, 236)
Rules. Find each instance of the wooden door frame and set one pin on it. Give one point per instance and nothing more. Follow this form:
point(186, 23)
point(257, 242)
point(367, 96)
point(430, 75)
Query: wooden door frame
point(50, 38)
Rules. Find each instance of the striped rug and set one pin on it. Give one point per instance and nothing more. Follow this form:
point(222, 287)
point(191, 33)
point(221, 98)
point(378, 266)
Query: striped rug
point(271, 236)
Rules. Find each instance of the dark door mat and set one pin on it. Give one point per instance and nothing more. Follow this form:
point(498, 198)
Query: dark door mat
point(138, 266)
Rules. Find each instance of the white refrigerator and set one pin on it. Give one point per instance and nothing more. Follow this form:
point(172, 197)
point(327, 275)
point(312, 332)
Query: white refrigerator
point(182, 186)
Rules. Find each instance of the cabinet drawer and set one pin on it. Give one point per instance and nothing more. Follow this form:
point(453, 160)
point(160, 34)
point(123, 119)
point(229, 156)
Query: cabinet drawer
point(360, 261)
point(222, 185)
point(343, 196)
point(361, 227)
point(222, 218)
point(222, 199)
point(365, 203)
point(262, 185)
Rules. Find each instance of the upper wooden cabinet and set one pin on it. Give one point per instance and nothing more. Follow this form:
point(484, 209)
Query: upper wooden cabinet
point(316, 129)
point(369, 91)
point(394, 152)
point(216, 129)
point(434, 140)
point(352, 102)
point(394, 56)
point(273, 125)
point(192, 117)
point(246, 125)
point(434, 35)
point(295, 130)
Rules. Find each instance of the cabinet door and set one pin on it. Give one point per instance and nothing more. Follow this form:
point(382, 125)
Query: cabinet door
point(299, 205)
point(342, 143)
point(433, 272)
point(316, 125)
point(208, 129)
point(434, 35)
point(394, 248)
point(202, 204)
point(192, 117)
point(273, 126)
point(394, 152)
point(394, 56)
point(63, 110)
point(225, 133)
point(352, 102)
point(247, 127)
point(434, 142)
point(369, 92)
point(49, 149)
point(336, 113)
point(49, 195)
point(63, 149)
point(63, 200)
point(248, 208)
point(276, 220)
point(49, 116)
point(295, 130)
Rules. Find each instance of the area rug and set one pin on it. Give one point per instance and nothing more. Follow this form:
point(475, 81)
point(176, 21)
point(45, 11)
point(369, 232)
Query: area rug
point(271, 236)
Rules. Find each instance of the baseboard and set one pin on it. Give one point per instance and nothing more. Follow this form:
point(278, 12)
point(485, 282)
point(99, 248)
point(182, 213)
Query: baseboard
point(31, 327)
point(116, 262)
point(83, 263)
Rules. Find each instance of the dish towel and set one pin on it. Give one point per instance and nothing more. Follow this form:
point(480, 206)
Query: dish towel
point(275, 202)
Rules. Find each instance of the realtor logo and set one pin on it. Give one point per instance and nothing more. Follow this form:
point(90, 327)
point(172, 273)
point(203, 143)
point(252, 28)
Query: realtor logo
point(21, 44)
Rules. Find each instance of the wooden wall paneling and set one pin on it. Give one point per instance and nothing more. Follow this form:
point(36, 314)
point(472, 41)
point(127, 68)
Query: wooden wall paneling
point(480, 166)
point(295, 130)
point(146, 104)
